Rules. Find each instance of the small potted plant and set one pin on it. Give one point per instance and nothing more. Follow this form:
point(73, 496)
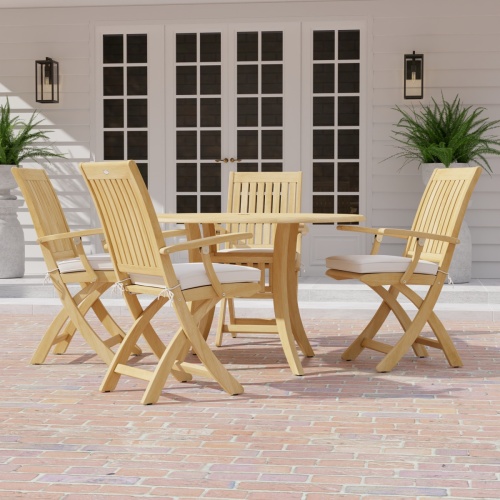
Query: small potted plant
point(19, 141)
point(445, 133)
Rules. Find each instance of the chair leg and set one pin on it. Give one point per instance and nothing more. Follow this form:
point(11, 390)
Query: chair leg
point(220, 323)
point(232, 315)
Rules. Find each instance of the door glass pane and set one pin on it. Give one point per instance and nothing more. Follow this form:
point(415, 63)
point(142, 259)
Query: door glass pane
point(248, 167)
point(137, 145)
point(185, 45)
point(210, 82)
point(348, 111)
point(137, 113)
point(210, 177)
point(272, 79)
point(186, 113)
point(186, 145)
point(114, 144)
point(323, 177)
point(187, 204)
point(248, 144)
point(112, 49)
point(349, 78)
point(137, 80)
point(324, 45)
point(272, 46)
point(210, 144)
point(248, 79)
point(187, 179)
point(348, 144)
point(113, 81)
point(348, 204)
point(210, 49)
point(324, 78)
point(323, 144)
point(137, 48)
point(186, 80)
point(323, 204)
point(272, 111)
point(272, 167)
point(323, 111)
point(210, 203)
point(348, 177)
point(272, 144)
point(210, 112)
point(143, 170)
point(248, 112)
point(349, 44)
point(113, 113)
point(247, 46)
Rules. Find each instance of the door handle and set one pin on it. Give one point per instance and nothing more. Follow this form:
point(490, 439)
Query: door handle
point(222, 160)
point(232, 160)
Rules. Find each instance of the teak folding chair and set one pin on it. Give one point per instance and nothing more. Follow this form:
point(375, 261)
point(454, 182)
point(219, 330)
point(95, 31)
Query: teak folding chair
point(67, 264)
point(143, 265)
point(425, 261)
point(257, 192)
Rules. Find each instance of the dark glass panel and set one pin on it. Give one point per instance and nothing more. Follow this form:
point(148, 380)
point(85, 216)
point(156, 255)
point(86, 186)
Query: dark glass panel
point(248, 167)
point(248, 144)
point(210, 177)
point(210, 82)
point(137, 48)
point(137, 113)
point(248, 79)
point(323, 204)
point(186, 145)
point(210, 203)
point(348, 111)
point(324, 45)
point(247, 46)
point(272, 79)
point(248, 112)
point(324, 78)
point(186, 114)
point(272, 167)
point(187, 180)
point(349, 78)
point(272, 144)
point(348, 176)
point(114, 145)
point(137, 80)
point(137, 145)
point(323, 111)
point(323, 144)
point(210, 144)
point(187, 204)
point(348, 147)
point(348, 204)
point(272, 111)
point(323, 177)
point(113, 81)
point(210, 112)
point(272, 45)
point(112, 49)
point(210, 47)
point(185, 49)
point(186, 80)
point(143, 170)
point(349, 44)
point(113, 113)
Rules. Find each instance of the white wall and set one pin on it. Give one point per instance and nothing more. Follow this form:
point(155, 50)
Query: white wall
point(459, 38)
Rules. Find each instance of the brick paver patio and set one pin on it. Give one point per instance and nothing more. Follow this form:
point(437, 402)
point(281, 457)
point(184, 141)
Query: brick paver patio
point(342, 431)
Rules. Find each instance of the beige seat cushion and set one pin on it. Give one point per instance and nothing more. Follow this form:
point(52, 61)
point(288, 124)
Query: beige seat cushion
point(98, 261)
point(193, 275)
point(372, 264)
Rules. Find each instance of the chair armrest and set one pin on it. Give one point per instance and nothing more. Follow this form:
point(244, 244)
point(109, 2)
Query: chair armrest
point(172, 233)
point(205, 242)
point(400, 233)
point(71, 234)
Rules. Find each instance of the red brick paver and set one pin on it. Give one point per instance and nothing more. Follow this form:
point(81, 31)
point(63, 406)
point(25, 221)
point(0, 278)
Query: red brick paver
point(342, 431)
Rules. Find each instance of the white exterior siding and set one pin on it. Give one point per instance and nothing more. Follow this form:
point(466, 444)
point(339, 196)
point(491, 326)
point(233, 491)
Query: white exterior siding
point(460, 40)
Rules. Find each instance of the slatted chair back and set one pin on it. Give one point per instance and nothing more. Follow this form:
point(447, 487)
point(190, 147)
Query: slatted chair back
point(128, 217)
point(263, 192)
point(441, 211)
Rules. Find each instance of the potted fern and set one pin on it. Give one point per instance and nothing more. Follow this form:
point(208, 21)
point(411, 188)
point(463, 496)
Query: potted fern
point(19, 141)
point(445, 133)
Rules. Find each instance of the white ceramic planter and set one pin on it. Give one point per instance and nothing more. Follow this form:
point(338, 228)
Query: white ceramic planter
point(461, 266)
point(11, 232)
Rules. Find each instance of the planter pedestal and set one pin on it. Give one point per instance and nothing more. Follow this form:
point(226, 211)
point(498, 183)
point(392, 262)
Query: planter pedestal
point(11, 240)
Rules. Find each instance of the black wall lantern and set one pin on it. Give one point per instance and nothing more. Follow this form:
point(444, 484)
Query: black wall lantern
point(47, 80)
point(414, 76)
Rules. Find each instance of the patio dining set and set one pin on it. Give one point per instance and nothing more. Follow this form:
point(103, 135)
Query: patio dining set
point(251, 251)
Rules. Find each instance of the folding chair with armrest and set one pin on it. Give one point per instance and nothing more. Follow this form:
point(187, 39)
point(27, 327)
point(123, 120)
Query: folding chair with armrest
point(143, 265)
point(425, 261)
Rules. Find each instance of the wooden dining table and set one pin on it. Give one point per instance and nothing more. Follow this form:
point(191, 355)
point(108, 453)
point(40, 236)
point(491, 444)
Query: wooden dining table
point(285, 301)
